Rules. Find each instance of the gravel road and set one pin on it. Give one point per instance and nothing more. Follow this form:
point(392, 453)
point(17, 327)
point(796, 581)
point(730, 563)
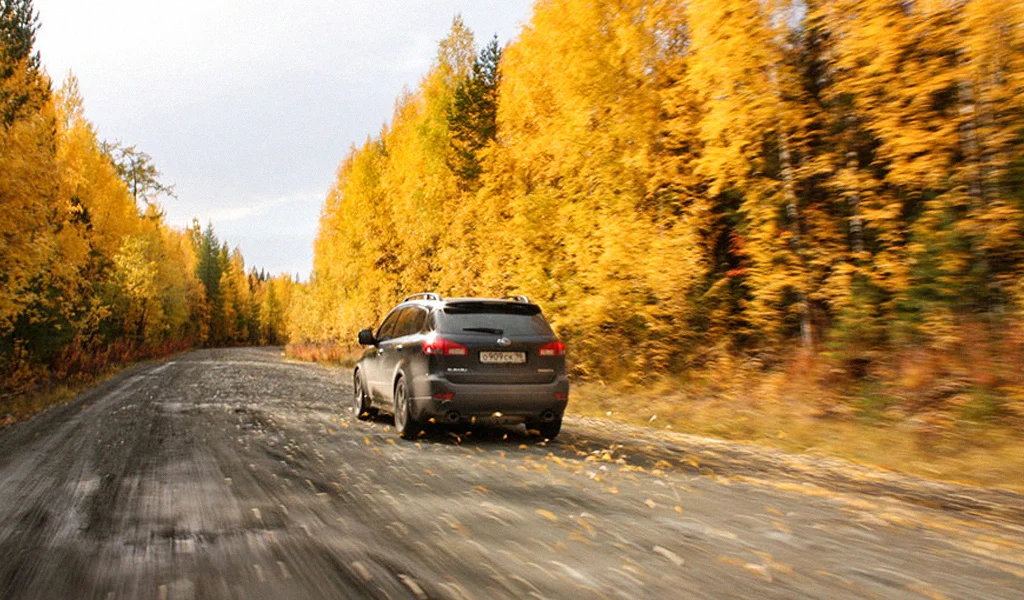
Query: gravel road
point(238, 474)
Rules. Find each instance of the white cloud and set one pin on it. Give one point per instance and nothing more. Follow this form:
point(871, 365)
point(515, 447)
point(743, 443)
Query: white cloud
point(247, 210)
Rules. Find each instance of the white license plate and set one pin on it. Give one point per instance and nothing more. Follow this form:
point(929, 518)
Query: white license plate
point(513, 358)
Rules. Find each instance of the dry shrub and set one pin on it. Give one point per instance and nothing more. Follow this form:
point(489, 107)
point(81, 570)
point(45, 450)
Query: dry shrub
point(28, 388)
point(813, 382)
point(81, 361)
point(19, 372)
point(948, 413)
point(325, 352)
point(979, 377)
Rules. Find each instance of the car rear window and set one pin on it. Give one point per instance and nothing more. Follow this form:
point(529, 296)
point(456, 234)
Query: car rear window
point(510, 319)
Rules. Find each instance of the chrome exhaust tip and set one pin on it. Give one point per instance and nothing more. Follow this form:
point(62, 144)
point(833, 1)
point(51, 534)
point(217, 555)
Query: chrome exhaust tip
point(452, 416)
point(547, 416)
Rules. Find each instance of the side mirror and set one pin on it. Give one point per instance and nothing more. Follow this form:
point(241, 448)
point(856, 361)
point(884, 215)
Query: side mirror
point(366, 338)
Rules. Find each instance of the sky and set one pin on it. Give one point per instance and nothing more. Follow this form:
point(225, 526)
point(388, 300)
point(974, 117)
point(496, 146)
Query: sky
point(248, 108)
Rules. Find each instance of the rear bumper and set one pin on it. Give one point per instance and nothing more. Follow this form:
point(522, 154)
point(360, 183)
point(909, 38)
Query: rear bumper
point(469, 400)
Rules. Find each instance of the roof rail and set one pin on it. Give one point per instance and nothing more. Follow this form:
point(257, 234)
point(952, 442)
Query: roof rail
point(424, 295)
point(519, 298)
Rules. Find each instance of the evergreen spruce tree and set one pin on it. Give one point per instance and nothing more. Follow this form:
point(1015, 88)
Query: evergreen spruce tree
point(21, 86)
point(472, 115)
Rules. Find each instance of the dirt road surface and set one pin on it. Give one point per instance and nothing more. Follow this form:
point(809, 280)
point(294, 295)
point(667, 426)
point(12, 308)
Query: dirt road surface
point(238, 474)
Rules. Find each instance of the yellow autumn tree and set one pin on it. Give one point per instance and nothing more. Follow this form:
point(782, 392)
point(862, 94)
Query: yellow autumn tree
point(29, 210)
point(91, 272)
point(680, 181)
point(389, 214)
point(578, 122)
point(927, 96)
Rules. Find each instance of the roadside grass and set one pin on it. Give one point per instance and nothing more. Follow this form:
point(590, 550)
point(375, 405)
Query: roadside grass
point(778, 410)
point(22, 406)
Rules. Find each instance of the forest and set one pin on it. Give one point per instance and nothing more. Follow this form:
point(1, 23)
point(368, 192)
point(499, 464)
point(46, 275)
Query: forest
point(831, 189)
point(827, 194)
point(91, 274)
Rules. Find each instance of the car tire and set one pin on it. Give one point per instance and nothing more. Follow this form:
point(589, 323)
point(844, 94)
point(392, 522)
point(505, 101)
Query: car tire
point(548, 430)
point(406, 426)
point(361, 408)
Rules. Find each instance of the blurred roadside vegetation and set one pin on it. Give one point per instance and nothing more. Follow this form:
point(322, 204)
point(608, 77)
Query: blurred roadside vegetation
point(91, 275)
point(823, 195)
point(969, 436)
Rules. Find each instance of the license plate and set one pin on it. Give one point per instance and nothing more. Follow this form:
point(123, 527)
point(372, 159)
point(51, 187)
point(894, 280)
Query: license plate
point(513, 358)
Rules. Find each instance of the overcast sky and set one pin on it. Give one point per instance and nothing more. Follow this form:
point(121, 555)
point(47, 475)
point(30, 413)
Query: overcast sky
point(248, 107)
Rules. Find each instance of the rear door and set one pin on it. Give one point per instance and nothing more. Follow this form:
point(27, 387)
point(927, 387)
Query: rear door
point(403, 345)
point(376, 357)
point(503, 341)
point(388, 354)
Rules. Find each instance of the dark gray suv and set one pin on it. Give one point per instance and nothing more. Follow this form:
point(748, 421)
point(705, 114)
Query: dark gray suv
point(452, 360)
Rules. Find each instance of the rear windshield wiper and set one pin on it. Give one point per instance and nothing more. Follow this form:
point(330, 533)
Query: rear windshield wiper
point(493, 330)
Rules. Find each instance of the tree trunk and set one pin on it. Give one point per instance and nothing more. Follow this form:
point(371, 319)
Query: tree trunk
point(853, 196)
point(793, 215)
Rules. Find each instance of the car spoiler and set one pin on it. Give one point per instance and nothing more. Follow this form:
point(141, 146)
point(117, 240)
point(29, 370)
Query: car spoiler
point(492, 306)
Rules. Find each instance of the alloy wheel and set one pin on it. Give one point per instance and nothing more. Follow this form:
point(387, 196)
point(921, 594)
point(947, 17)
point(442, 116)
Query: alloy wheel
point(358, 400)
point(401, 408)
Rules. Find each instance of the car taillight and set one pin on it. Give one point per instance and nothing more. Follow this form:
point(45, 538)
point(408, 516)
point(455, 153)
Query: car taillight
point(553, 349)
point(439, 345)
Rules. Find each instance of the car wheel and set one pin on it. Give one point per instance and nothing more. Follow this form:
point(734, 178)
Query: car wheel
point(407, 427)
point(547, 430)
point(360, 399)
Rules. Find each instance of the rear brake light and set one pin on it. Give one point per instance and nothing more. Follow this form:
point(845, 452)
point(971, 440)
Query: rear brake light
point(556, 348)
point(439, 345)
